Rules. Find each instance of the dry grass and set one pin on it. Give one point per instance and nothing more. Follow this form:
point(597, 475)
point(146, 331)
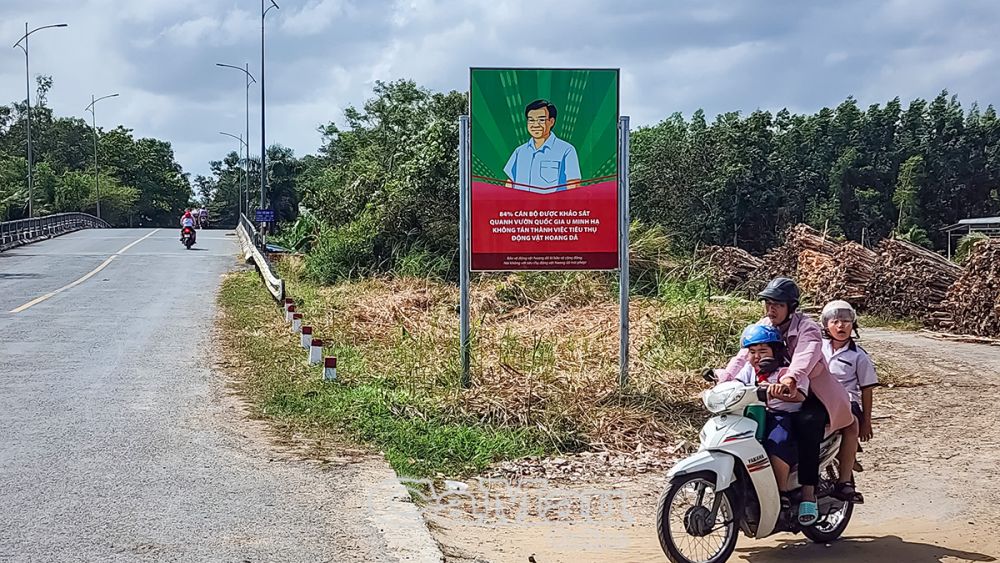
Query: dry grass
point(892, 375)
point(545, 352)
point(545, 365)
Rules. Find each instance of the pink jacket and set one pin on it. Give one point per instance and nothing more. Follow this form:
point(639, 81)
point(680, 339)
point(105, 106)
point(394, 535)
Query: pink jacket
point(805, 345)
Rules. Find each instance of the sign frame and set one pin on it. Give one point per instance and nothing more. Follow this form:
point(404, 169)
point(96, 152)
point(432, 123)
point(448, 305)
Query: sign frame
point(465, 243)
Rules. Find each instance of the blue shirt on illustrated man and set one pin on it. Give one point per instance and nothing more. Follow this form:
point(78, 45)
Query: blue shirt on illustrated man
point(545, 161)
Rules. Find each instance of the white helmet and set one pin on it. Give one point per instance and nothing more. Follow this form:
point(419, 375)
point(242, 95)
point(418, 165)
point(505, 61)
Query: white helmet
point(838, 309)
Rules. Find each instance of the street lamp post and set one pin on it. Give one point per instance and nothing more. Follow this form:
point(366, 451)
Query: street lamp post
point(263, 149)
point(97, 169)
point(241, 146)
point(246, 163)
point(27, 83)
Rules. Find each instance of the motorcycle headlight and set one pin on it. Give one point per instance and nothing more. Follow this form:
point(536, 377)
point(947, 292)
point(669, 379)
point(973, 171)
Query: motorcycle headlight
point(723, 396)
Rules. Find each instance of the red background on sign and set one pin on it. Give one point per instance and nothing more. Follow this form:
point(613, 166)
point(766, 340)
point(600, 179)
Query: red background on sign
point(496, 251)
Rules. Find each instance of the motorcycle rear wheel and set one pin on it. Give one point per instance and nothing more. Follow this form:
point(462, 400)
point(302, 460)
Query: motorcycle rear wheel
point(832, 526)
point(680, 531)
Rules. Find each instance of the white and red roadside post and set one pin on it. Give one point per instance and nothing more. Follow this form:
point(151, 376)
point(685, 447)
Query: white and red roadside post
point(330, 369)
point(315, 351)
point(307, 334)
point(296, 323)
point(289, 313)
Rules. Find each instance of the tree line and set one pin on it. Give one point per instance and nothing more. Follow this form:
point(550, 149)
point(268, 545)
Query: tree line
point(141, 184)
point(381, 193)
point(234, 179)
point(861, 174)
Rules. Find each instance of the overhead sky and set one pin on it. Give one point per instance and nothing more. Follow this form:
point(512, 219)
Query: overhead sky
point(322, 55)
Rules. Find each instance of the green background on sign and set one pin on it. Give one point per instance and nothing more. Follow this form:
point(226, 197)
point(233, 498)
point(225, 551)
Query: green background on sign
point(587, 116)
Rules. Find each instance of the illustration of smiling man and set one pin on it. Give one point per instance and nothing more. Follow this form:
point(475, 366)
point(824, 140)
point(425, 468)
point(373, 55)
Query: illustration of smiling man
point(545, 163)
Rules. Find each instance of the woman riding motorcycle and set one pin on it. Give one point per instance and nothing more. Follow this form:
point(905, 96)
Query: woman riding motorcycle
point(827, 407)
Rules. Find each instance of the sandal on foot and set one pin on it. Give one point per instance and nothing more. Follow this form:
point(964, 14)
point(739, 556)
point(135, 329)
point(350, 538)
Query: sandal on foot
point(848, 493)
point(808, 513)
point(785, 501)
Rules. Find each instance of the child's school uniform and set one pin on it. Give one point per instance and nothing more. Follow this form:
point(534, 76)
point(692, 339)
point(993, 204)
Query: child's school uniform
point(853, 369)
point(780, 437)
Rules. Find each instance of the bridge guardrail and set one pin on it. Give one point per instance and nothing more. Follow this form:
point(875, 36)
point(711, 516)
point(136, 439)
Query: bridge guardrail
point(251, 242)
point(25, 231)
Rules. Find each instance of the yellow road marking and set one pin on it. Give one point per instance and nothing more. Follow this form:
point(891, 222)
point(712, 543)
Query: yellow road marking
point(89, 275)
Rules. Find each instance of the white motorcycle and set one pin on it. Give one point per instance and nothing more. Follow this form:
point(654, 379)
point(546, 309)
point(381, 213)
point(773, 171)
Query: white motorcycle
point(729, 486)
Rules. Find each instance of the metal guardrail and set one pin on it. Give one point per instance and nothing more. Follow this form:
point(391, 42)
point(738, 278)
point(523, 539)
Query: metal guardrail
point(252, 232)
point(25, 231)
point(251, 242)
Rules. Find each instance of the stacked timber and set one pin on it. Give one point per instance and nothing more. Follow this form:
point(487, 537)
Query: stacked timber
point(909, 281)
point(814, 267)
point(852, 270)
point(731, 267)
point(974, 299)
point(783, 261)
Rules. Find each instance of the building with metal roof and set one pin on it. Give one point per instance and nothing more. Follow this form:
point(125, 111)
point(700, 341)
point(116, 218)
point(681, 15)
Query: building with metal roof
point(989, 226)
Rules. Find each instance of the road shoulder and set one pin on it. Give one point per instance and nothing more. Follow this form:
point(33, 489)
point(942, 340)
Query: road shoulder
point(370, 489)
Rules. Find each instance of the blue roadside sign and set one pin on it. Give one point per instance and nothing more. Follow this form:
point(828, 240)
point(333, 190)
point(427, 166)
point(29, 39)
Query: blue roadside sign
point(265, 216)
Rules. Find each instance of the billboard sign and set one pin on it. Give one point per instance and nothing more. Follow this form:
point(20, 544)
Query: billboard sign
point(544, 185)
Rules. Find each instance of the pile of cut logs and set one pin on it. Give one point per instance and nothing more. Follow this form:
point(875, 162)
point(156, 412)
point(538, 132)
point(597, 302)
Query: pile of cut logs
point(814, 268)
point(852, 269)
point(909, 281)
point(897, 280)
point(731, 267)
point(974, 299)
point(787, 259)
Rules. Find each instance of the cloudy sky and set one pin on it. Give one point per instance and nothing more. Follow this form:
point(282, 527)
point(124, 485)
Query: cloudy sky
point(323, 55)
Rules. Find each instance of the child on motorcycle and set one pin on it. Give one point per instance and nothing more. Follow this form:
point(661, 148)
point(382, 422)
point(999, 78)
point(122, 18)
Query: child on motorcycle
point(852, 367)
point(765, 364)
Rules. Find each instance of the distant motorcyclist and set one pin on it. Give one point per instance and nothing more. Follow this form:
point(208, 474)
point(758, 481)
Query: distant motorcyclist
point(187, 220)
point(203, 218)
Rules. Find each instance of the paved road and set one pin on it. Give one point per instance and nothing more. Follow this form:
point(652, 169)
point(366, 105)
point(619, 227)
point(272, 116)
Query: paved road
point(119, 443)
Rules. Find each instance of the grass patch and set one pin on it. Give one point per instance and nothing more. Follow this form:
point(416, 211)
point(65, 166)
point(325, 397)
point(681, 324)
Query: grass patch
point(418, 437)
point(892, 375)
point(545, 363)
point(876, 321)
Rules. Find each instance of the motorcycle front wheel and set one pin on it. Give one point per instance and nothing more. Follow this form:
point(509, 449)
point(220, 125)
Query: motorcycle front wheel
point(682, 521)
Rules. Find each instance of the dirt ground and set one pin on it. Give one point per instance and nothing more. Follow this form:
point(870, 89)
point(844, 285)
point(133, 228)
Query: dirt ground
point(929, 484)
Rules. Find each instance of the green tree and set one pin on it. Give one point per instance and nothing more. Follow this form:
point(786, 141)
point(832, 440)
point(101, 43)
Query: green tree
point(386, 186)
point(221, 192)
point(911, 177)
point(140, 179)
point(13, 188)
point(381, 190)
